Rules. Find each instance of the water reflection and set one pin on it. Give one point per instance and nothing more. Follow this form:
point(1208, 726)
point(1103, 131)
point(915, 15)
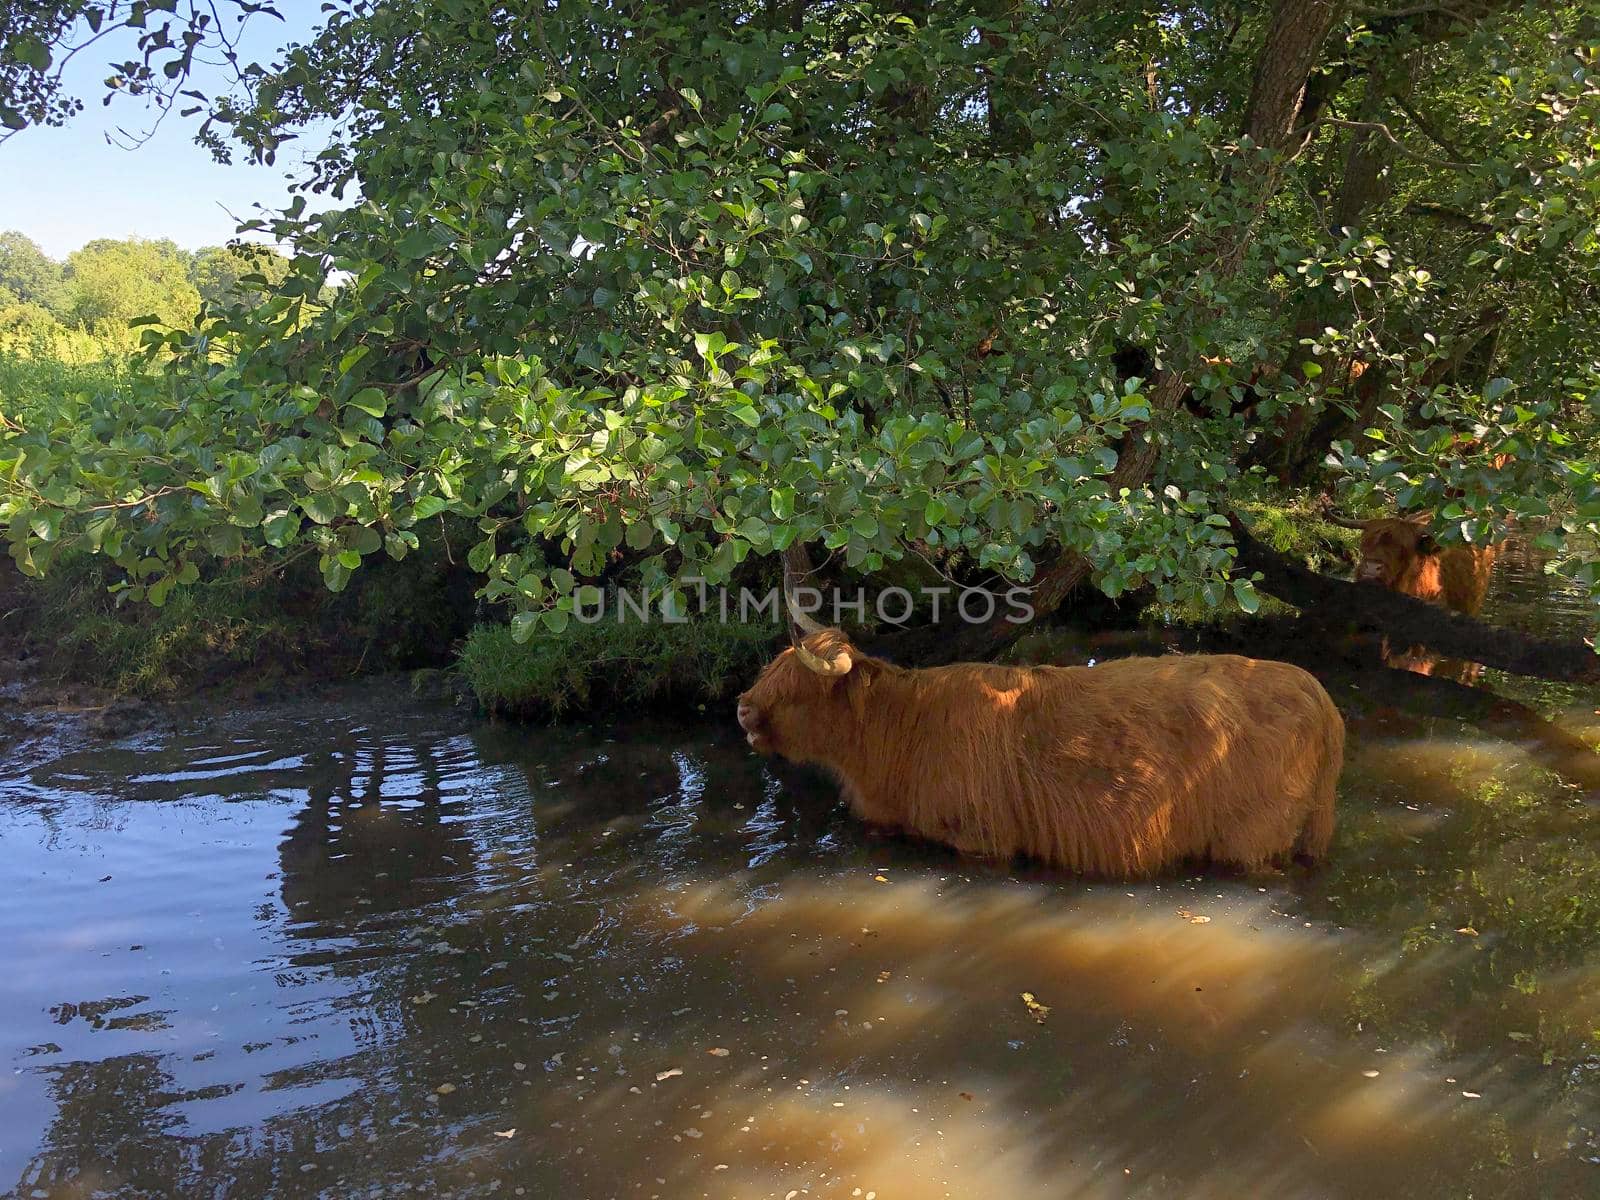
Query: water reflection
point(355, 946)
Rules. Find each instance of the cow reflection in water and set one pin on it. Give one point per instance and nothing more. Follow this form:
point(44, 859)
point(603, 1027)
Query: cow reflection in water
point(1400, 553)
point(1120, 769)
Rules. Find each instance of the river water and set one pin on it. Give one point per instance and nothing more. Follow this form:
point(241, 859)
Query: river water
point(363, 945)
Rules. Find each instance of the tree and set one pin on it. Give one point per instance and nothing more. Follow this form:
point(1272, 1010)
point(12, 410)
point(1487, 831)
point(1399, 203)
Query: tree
point(661, 288)
point(238, 273)
point(26, 272)
point(110, 283)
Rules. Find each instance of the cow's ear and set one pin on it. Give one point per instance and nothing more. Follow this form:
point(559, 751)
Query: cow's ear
point(1426, 544)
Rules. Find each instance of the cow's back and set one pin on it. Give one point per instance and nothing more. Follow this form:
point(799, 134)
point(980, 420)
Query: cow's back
point(1126, 766)
point(1464, 573)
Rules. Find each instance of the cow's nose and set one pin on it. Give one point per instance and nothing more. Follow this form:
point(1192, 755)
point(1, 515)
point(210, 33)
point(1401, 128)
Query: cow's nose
point(747, 715)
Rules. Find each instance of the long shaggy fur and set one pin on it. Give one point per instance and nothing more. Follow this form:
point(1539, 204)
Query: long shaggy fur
point(1119, 769)
point(1398, 553)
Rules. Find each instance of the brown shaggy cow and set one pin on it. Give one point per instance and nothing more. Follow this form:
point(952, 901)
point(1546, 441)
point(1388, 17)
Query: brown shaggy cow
point(1118, 769)
point(1400, 554)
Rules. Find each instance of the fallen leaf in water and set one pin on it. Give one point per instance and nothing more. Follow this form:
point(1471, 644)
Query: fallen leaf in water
point(718, 1052)
point(664, 1075)
point(1035, 1010)
point(505, 1133)
point(444, 1089)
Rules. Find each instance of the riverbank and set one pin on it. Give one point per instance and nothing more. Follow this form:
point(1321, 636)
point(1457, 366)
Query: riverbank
point(252, 631)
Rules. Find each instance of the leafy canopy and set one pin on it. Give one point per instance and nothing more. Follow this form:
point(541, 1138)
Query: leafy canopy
point(665, 287)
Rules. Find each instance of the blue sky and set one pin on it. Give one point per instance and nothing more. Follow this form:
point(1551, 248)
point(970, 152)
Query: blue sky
point(64, 186)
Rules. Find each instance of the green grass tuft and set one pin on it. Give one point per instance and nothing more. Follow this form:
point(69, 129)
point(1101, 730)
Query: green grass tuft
point(589, 668)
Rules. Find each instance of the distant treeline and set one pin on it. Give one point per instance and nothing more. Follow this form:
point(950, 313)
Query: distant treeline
point(82, 306)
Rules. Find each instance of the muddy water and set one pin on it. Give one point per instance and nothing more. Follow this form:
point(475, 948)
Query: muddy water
point(361, 946)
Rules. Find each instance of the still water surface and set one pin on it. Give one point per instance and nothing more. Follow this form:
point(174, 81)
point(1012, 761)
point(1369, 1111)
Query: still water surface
point(360, 945)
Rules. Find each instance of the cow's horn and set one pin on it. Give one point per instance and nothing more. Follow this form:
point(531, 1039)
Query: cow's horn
point(839, 664)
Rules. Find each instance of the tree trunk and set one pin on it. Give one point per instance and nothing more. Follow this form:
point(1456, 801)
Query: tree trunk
point(1295, 446)
point(1294, 42)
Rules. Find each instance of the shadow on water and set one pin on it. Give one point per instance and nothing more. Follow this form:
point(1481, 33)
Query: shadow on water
point(358, 946)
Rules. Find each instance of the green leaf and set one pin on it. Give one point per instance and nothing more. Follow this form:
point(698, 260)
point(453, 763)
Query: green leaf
point(639, 535)
point(280, 527)
point(323, 508)
point(370, 400)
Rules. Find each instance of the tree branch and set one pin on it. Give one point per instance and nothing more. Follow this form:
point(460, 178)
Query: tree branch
point(1428, 128)
point(1381, 127)
point(1440, 212)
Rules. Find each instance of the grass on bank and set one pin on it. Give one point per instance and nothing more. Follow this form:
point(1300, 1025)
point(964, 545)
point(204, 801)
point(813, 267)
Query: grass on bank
point(589, 668)
point(244, 629)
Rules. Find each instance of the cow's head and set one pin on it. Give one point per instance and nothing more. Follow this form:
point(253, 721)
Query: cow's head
point(801, 705)
point(1391, 547)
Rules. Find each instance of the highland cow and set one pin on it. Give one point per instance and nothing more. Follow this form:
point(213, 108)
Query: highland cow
point(1120, 769)
point(1399, 553)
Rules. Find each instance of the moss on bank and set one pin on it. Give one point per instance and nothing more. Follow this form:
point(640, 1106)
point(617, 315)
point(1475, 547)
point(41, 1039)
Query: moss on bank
point(591, 667)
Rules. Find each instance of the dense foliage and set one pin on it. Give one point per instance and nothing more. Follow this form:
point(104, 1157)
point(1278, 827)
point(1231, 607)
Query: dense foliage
point(661, 287)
